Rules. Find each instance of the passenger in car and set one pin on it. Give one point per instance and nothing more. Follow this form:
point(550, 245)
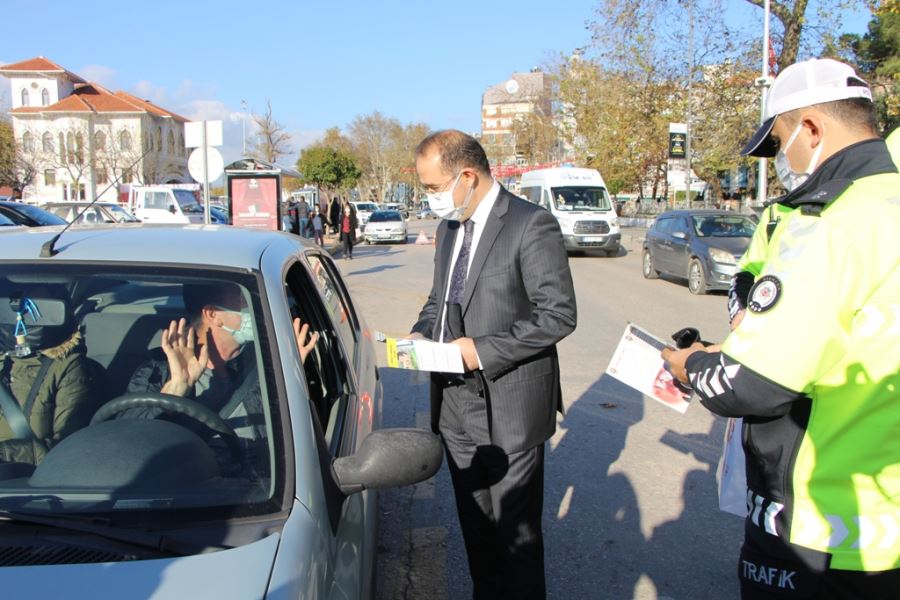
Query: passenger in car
point(50, 388)
point(204, 357)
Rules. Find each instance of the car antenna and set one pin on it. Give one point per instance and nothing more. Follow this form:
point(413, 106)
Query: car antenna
point(47, 249)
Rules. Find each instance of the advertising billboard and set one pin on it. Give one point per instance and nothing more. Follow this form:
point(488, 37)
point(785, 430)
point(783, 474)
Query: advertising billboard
point(254, 202)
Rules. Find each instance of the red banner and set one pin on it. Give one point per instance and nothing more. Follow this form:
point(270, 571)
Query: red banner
point(254, 203)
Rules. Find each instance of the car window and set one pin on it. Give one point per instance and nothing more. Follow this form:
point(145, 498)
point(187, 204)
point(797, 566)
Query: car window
point(327, 369)
point(156, 200)
point(5, 220)
point(336, 300)
point(723, 226)
point(678, 225)
point(145, 454)
point(581, 198)
point(663, 225)
point(384, 216)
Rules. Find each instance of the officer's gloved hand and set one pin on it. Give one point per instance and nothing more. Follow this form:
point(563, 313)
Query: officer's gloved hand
point(687, 337)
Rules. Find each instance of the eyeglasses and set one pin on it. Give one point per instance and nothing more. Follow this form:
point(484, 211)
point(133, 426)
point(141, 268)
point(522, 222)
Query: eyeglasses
point(443, 187)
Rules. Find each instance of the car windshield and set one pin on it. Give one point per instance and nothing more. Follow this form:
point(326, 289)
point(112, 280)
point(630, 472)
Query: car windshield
point(120, 214)
point(723, 225)
point(107, 438)
point(581, 198)
point(184, 197)
point(384, 216)
point(366, 207)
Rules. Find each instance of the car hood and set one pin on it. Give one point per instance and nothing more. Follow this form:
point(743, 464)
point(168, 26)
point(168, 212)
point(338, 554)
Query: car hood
point(736, 245)
point(240, 573)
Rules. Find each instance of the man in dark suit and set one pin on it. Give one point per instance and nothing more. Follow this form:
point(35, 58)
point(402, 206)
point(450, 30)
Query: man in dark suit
point(503, 293)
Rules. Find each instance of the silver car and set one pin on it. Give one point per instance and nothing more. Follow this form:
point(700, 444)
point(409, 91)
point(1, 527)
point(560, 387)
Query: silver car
point(99, 212)
point(385, 226)
point(150, 495)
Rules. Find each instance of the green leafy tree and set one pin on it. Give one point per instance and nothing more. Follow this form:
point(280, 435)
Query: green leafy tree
point(329, 168)
point(876, 56)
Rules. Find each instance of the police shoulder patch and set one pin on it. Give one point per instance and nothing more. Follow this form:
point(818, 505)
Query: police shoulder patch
point(764, 294)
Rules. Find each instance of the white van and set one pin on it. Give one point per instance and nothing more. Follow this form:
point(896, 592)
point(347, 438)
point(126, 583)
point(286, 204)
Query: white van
point(159, 204)
point(579, 201)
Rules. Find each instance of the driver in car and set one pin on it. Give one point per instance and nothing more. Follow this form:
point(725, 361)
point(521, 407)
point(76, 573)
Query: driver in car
point(203, 358)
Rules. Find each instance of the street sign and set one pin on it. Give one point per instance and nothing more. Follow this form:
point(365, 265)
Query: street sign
point(215, 165)
point(193, 134)
point(677, 140)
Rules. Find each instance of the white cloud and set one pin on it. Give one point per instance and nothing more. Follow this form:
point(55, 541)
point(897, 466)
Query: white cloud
point(105, 76)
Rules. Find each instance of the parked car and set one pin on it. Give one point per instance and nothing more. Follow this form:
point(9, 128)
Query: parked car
point(99, 212)
point(702, 246)
point(385, 226)
point(271, 494)
point(398, 206)
point(196, 214)
point(364, 210)
point(29, 215)
point(426, 213)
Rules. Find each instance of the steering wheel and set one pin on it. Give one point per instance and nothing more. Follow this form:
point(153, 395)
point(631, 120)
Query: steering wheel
point(173, 404)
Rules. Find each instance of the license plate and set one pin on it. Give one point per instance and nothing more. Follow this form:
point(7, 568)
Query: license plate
point(594, 238)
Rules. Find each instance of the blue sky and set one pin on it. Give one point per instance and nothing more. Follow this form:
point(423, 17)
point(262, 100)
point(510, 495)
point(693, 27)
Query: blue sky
point(320, 63)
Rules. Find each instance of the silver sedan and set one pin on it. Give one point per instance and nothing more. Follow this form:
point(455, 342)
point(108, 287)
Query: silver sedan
point(256, 480)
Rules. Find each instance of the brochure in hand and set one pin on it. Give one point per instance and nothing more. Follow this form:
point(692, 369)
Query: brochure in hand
point(637, 364)
point(423, 355)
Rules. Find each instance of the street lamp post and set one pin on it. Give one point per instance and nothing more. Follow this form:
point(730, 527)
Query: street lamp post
point(243, 128)
point(763, 84)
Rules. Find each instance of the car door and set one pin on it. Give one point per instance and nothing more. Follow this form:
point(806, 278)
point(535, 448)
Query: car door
point(680, 254)
point(344, 413)
point(659, 244)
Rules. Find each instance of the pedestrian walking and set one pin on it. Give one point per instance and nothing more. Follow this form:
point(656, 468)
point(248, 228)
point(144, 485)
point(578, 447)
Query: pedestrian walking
point(318, 226)
point(348, 230)
point(812, 368)
point(302, 217)
point(334, 214)
point(495, 418)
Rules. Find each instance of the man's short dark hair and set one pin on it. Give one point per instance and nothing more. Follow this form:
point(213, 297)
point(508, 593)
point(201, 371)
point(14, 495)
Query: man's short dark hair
point(857, 114)
point(198, 295)
point(457, 150)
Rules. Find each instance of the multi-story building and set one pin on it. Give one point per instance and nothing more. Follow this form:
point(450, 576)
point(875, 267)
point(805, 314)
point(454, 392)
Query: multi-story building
point(521, 98)
point(81, 139)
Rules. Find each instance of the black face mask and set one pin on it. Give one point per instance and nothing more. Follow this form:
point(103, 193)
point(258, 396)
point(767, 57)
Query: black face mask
point(46, 321)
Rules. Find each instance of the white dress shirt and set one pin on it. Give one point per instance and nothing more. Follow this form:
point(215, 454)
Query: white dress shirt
point(479, 218)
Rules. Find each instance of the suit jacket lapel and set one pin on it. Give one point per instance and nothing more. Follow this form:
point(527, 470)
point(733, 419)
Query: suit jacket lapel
point(489, 234)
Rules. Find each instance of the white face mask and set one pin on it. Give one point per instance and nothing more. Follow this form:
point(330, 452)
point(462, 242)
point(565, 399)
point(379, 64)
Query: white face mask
point(789, 178)
point(244, 334)
point(441, 203)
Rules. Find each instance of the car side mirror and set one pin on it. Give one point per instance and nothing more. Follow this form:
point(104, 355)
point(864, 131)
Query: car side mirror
point(680, 235)
point(172, 208)
point(389, 458)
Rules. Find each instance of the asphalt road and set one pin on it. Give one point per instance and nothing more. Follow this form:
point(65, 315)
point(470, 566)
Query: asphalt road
point(630, 493)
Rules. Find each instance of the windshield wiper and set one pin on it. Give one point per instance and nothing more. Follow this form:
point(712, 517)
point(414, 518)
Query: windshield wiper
point(102, 527)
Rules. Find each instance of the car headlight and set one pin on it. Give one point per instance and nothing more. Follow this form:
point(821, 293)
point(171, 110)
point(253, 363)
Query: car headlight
point(722, 257)
point(614, 222)
point(564, 222)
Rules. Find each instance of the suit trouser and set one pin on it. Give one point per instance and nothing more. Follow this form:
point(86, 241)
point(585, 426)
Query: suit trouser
point(499, 499)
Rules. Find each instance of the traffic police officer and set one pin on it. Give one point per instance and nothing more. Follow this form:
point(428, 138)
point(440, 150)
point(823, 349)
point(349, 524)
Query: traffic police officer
point(813, 368)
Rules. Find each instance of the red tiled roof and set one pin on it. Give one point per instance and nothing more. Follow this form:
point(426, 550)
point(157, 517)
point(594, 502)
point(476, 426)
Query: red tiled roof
point(90, 97)
point(39, 64)
point(150, 107)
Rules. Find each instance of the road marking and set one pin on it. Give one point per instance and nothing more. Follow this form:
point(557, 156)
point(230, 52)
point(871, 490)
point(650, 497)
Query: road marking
point(565, 503)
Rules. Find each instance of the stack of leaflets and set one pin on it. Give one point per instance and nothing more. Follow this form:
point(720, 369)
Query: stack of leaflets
point(638, 364)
